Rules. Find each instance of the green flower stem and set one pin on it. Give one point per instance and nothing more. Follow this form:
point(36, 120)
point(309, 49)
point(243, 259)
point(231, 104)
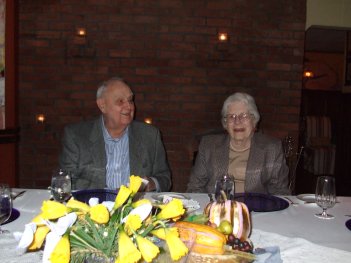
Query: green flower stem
point(82, 241)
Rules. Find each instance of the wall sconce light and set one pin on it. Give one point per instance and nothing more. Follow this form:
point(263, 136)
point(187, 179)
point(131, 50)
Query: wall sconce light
point(308, 74)
point(40, 118)
point(81, 31)
point(222, 37)
point(148, 120)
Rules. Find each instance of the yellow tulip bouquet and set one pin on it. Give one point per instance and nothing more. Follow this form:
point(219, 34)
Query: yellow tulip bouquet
point(121, 231)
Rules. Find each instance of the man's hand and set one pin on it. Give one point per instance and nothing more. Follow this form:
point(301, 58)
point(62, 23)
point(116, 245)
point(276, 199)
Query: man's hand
point(150, 186)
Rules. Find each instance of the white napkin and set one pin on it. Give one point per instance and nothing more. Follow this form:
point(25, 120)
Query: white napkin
point(297, 250)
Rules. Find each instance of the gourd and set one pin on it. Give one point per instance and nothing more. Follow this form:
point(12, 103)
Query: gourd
point(235, 212)
point(208, 239)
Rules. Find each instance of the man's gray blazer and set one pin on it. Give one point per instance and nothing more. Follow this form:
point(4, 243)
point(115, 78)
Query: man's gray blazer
point(266, 170)
point(84, 154)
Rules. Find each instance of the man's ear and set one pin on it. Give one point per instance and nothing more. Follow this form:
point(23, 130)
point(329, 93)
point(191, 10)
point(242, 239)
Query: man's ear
point(101, 104)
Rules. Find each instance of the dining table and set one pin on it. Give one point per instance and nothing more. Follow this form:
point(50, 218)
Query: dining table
point(296, 233)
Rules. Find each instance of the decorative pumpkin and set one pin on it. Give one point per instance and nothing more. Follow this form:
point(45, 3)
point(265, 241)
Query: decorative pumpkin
point(208, 239)
point(235, 212)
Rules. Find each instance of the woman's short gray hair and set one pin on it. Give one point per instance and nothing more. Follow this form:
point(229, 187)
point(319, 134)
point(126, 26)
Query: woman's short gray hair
point(241, 97)
point(101, 89)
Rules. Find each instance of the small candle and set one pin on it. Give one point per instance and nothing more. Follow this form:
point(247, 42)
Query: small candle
point(223, 36)
point(148, 120)
point(40, 118)
point(81, 32)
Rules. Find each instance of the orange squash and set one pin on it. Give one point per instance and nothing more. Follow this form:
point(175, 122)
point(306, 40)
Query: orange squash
point(208, 239)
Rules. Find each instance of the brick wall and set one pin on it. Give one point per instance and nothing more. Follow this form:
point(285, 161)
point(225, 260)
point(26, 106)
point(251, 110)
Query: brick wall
point(167, 50)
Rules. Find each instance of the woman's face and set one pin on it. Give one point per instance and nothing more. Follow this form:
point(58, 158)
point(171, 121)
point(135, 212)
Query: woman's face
point(240, 123)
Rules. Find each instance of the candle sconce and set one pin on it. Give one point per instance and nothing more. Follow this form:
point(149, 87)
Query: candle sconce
point(40, 118)
point(148, 120)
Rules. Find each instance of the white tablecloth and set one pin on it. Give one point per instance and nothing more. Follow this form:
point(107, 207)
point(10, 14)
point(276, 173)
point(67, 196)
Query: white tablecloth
point(300, 235)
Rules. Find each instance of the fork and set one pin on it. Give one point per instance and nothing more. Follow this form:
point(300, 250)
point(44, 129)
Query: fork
point(18, 194)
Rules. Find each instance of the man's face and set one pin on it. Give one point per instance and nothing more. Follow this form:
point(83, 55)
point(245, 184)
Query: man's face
point(117, 106)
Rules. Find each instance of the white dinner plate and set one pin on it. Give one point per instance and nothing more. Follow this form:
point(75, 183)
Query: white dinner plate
point(159, 197)
point(188, 203)
point(308, 198)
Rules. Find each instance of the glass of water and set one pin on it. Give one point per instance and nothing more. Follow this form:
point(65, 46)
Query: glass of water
point(225, 184)
point(61, 185)
point(325, 195)
point(5, 205)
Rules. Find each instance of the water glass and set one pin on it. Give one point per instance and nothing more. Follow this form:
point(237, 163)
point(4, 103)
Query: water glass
point(325, 195)
point(225, 184)
point(61, 185)
point(5, 205)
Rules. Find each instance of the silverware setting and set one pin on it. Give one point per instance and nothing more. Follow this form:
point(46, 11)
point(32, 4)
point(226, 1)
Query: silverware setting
point(15, 195)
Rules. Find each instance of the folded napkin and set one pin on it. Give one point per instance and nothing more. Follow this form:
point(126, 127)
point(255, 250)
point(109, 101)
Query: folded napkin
point(296, 250)
point(9, 253)
point(268, 255)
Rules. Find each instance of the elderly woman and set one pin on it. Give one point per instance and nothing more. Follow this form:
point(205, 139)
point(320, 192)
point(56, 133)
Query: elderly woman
point(255, 161)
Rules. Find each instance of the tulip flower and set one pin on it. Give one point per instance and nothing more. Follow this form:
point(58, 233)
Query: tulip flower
point(133, 223)
point(141, 202)
point(53, 210)
point(161, 232)
point(38, 220)
point(75, 204)
point(61, 253)
point(39, 237)
point(127, 252)
point(176, 247)
point(99, 214)
point(122, 196)
point(135, 183)
point(173, 209)
point(148, 249)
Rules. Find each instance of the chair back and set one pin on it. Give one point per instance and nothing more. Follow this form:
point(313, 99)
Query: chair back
point(319, 156)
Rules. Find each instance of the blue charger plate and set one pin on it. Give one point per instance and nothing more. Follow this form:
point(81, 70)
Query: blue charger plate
point(14, 215)
point(261, 202)
point(102, 194)
point(348, 224)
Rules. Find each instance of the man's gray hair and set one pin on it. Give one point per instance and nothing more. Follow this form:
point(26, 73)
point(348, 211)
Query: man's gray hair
point(241, 97)
point(101, 89)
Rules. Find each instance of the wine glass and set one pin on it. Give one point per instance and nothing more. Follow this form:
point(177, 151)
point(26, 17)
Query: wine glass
point(61, 185)
point(225, 184)
point(325, 195)
point(5, 205)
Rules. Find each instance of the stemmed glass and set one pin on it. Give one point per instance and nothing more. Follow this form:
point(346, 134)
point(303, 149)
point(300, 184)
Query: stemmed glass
point(226, 184)
point(5, 205)
point(325, 195)
point(61, 185)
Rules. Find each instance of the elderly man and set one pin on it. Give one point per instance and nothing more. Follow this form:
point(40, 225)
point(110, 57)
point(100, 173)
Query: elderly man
point(104, 152)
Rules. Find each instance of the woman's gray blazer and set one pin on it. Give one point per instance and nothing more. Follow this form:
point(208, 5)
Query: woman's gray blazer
point(266, 170)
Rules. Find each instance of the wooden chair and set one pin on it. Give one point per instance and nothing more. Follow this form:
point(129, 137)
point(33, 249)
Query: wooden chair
point(319, 157)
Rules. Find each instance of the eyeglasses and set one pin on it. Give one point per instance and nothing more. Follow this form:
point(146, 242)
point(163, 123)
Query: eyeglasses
point(242, 117)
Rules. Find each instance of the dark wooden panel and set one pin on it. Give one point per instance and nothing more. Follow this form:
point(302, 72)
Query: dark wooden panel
point(337, 106)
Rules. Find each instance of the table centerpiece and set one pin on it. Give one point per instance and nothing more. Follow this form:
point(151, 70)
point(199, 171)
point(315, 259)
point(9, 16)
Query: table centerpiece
point(125, 230)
